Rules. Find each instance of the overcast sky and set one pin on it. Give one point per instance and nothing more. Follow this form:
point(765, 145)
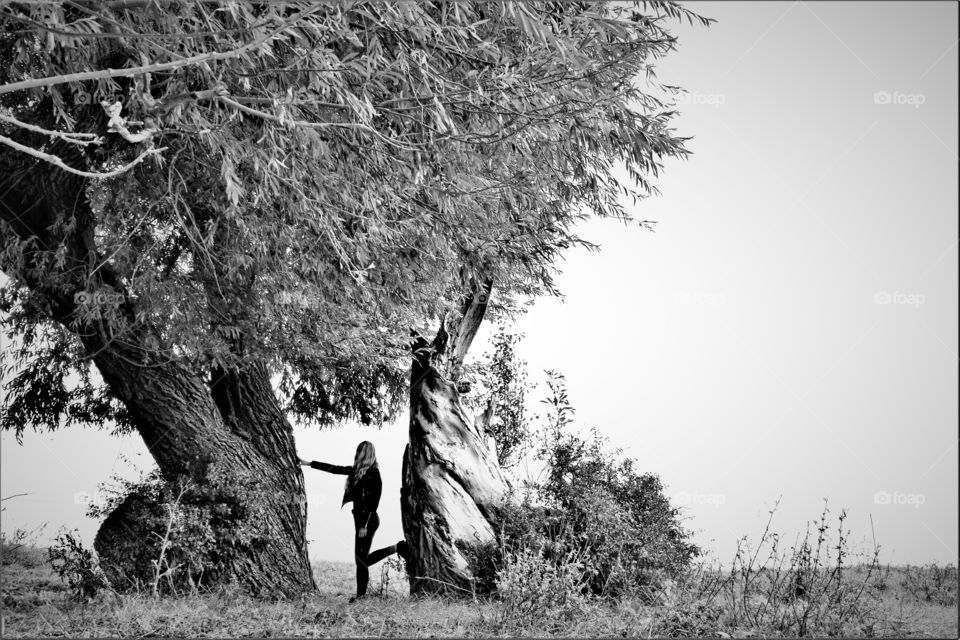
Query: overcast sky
point(790, 329)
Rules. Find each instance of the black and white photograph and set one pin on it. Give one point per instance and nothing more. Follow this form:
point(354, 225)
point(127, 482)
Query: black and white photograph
point(479, 318)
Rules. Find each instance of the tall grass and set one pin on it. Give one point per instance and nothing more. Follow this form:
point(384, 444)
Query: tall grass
point(701, 603)
point(816, 586)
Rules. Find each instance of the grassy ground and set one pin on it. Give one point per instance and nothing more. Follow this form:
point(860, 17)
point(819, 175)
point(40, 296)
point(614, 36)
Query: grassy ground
point(36, 603)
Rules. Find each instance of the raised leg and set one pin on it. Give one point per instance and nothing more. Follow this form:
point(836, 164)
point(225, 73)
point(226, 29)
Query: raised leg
point(378, 555)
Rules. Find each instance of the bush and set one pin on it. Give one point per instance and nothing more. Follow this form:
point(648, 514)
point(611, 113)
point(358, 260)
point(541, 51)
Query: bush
point(20, 548)
point(932, 583)
point(76, 566)
point(175, 536)
point(533, 587)
point(592, 505)
point(502, 387)
point(596, 504)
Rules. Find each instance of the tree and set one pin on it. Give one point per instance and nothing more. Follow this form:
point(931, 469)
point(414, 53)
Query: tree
point(200, 199)
point(453, 488)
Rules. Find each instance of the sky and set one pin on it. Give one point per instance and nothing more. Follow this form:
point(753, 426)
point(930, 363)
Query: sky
point(788, 332)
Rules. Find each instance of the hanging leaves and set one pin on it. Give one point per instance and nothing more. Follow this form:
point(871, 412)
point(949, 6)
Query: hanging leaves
point(324, 177)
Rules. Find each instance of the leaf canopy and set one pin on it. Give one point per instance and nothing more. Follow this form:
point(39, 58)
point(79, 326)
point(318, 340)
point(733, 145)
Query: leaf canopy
point(305, 183)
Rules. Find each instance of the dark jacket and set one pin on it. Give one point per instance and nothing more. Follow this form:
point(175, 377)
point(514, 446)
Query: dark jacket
point(365, 492)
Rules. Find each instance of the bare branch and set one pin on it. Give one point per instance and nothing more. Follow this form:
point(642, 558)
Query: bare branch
point(57, 162)
point(82, 139)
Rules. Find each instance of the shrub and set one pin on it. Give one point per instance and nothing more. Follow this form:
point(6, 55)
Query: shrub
point(591, 504)
point(20, 547)
point(76, 566)
point(595, 503)
point(931, 583)
point(502, 387)
point(534, 586)
point(175, 536)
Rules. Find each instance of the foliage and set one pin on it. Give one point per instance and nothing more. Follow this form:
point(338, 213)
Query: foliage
point(532, 587)
point(40, 392)
point(20, 547)
point(185, 533)
point(393, 573)
point(76, 565)
point(595, 501)
point(589, 503)
point(601, 502)
point(932, 583)
point(503, 389)
point(302, 184)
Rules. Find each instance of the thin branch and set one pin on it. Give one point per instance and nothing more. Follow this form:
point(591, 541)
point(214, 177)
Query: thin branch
point(316, 125)
point(67, 136)
point(82, 76)
point(300, 123)
point(57, 162)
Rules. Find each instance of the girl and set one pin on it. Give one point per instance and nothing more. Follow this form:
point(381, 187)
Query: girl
point(363, 488)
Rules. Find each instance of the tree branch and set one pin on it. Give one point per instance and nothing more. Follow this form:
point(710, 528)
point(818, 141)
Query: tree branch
point(82, 139)
point(57, 162)
point(474, 308)
point(315, 125)
point(35, 83)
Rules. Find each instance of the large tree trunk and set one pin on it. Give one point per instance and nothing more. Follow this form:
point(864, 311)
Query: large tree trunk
point(452, 482)
point(196, 428)
point(240, 454)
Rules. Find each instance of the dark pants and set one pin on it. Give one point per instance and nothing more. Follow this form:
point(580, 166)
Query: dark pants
point(361, 550)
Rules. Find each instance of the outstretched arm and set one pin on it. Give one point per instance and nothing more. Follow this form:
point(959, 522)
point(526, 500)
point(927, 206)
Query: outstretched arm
point(329, 468)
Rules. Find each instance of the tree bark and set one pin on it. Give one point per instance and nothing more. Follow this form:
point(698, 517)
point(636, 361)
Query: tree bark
point(248, 447)
point(452, 482)
point(194, 427)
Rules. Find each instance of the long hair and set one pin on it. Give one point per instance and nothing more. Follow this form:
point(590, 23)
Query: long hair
point(363, 461)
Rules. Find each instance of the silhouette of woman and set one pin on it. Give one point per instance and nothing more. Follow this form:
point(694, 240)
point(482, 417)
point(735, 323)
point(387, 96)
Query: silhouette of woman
point(363, 488)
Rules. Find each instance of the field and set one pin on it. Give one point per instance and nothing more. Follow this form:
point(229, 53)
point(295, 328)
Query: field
point(899, 602)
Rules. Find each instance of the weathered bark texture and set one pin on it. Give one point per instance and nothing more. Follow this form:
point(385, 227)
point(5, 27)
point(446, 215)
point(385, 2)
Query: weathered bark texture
point(452, 482)
point(190, 423)
point(188, 435)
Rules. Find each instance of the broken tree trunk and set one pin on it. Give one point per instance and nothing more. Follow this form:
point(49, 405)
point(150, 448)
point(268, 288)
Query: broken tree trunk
point(452, 483)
